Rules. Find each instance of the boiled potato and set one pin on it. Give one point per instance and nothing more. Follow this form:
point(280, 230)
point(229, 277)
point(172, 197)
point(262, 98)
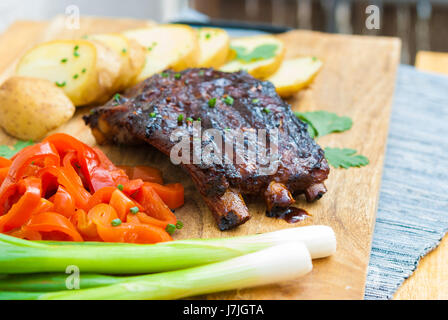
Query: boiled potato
point(295, 74)
point(172, 46)
point(214, 47)
point(86, 70)
point(30, 107)
point(132, 56)
point(260, 56)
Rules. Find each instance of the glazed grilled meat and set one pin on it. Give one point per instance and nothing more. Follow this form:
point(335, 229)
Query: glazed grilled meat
point(205, 99)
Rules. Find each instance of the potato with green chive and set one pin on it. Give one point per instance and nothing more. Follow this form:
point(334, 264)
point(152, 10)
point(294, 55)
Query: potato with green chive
point(59, 61)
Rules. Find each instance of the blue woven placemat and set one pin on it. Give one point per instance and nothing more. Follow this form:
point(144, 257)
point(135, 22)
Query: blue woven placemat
point(413, 206)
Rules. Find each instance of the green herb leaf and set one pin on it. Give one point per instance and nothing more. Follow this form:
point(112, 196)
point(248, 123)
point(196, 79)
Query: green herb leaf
point(264, 51)
point(345, 158)
point(120, 187)
point(8, 152)
point(322, 123)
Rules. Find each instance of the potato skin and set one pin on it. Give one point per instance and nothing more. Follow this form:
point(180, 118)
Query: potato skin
point(31, 107)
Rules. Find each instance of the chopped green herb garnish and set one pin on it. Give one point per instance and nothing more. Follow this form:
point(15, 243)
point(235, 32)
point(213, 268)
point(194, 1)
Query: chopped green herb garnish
point(264, 51)
point(152, 114)
point(170, 228)
point(76, 54)
point(207, 36)
point(134, 210)
point(64, 60)
point(314, 59)
point(84, 70)
point(198, 119)
point(180, 118)
point(322, 122)
point(75, 76)
point(124, 50)
point(117, 98)
point(76, 48)
point(179, 225)
point(164, 74)
point(60, 84)
point(177, 76)
point(255, 100)
point(266, 110)
point(8, 152)
point(189, 119)
point(345, 158)
point(115, 222)
point(212, 102)
point(120, 187)
point(228, 100)
point(201, 72)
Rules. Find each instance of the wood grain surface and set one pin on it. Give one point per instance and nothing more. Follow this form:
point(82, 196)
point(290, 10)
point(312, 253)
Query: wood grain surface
point(357, 80)
point(430, 279)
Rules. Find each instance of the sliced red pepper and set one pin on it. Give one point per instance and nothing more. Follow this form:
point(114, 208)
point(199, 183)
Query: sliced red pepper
point(18, 167)
point(145, 173)
point(53, 223)
point(171, 194)
point(64, 202)
point(153, 205)
point(21, 211)
point(5, 162)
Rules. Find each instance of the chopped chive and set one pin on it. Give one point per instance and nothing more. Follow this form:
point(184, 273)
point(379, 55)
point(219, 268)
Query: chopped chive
point(265, 110)
point(198, 119)
point(180, 118)
point(207, 36)
point(255, 100)
point(164, 74)
point(134, 210)
point(76, 54)
point(117, 97)
point(60, 84)
point(115, 222)
point(75, 76)
point(152, 115)
point(84, 70)
point(124, 51)
point(177, 76)
point(64, 60)
point(170, 228)
point(228, 100)
point(179, 225)
point(212, 102)
point(76, 48)
point(120, 187)
point(189, 119)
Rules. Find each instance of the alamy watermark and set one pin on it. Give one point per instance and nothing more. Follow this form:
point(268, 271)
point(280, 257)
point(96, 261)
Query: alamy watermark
point(257, 149)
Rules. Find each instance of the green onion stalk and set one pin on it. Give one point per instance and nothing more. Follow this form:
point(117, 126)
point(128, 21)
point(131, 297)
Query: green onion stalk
point(18, 256)
point(278, 263)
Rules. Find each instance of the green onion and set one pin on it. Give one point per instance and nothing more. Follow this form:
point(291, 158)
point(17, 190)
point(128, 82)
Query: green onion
point(64, 60)
point(120, 187)
point(278, 263)
point(170, 228)
point(60, 84)
point(180, 118)
point(75, 76)
point(228, 100)
point(177, 76)
point(124, 51)
point(255, 100)
point(134, 210)
point(179, 225)
point(212, 102)
point(115, 222)
point(84, 70)
point(22, 256)
point(76, 54)
point(164, 74)
point(265, 110)
point(152, 115)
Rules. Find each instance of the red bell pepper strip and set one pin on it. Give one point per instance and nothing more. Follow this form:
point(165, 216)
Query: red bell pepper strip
point(49, 222)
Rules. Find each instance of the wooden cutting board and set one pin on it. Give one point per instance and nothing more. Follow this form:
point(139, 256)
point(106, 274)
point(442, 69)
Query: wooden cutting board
point(357, 80)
